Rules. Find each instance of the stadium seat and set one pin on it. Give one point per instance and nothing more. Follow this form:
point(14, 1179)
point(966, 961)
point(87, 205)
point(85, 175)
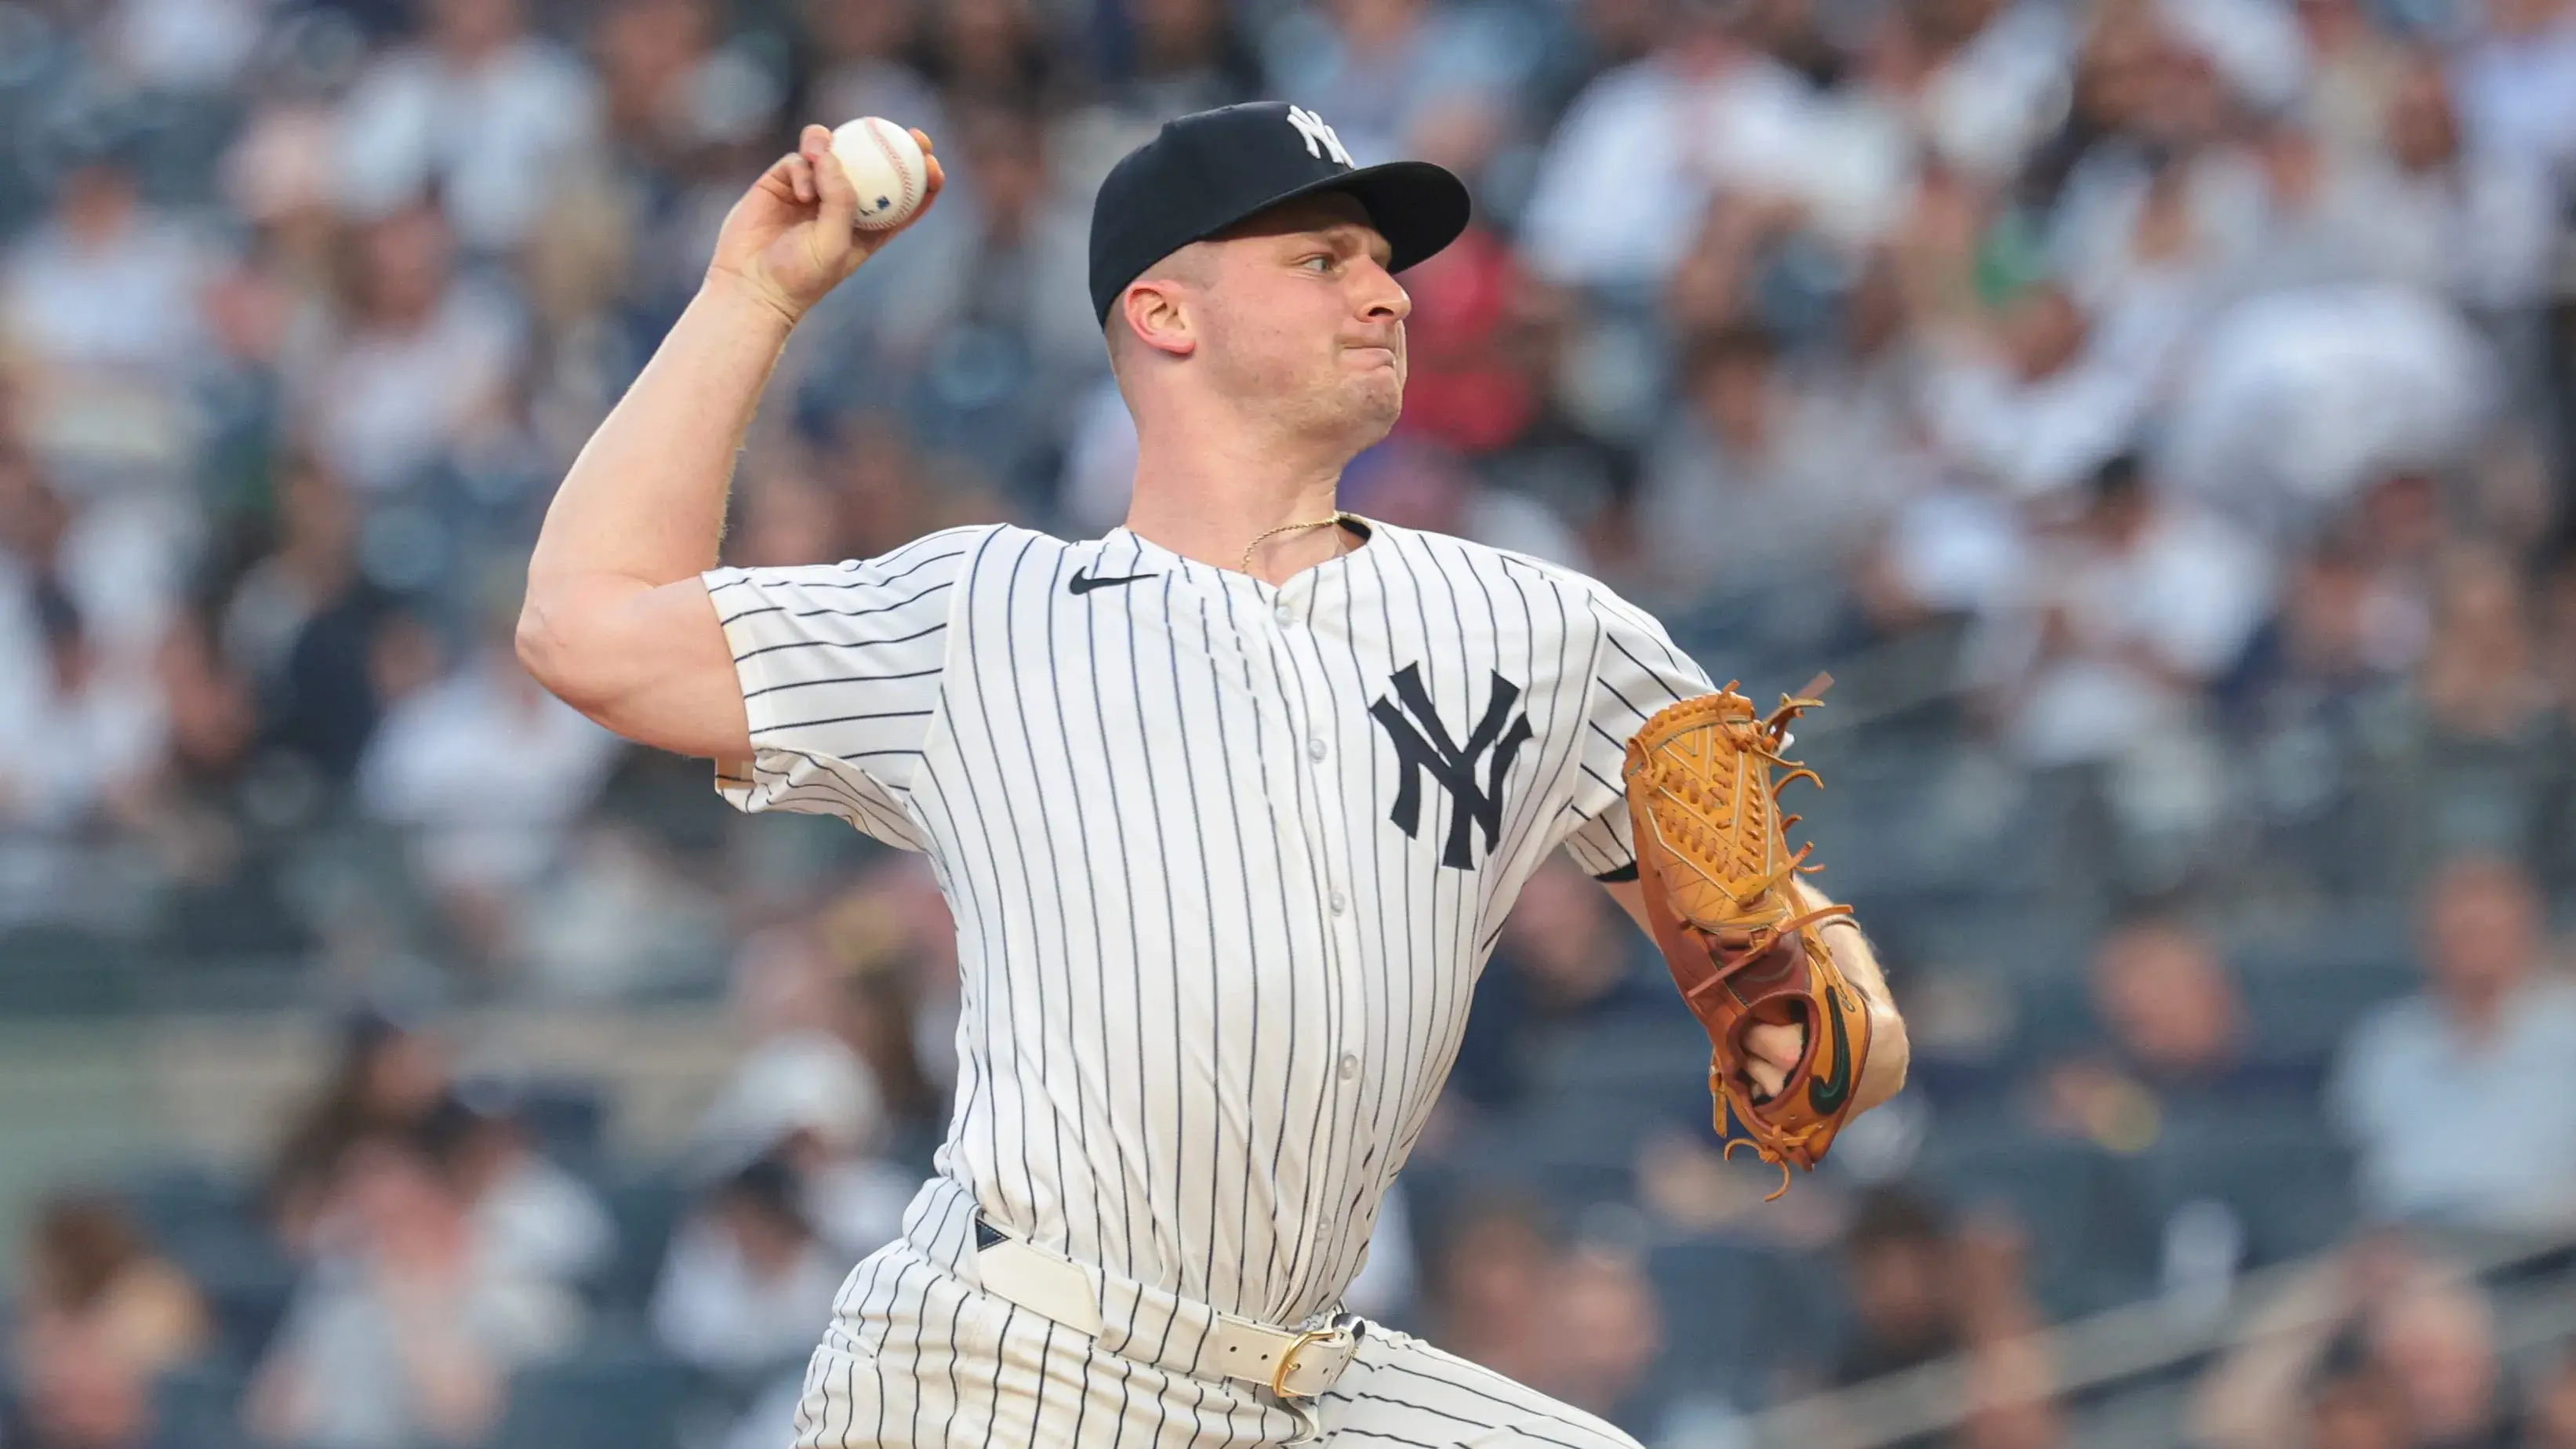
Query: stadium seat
point(646, 1207)
point(1639, 1055)
point(2281, 1173)
point(249, 1300)
point(175, 1202)
point(566, 1117)
point(627, 1395)
point(1735, 1312)
point(198, 1406)
point(2090, 1241)
point(48, 970)
point(2307, 1007)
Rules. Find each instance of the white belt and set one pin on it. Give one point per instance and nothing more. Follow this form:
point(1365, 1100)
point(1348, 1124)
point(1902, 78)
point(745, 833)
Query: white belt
point(1292, 1363)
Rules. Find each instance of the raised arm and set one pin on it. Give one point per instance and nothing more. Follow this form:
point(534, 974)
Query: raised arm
point(616, 621)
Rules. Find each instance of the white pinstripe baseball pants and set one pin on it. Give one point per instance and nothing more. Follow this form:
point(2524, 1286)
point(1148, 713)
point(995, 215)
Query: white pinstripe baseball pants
point(917, 1356)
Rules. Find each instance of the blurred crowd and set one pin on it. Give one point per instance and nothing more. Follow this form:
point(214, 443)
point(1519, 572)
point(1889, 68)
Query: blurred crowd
point(2158, 412)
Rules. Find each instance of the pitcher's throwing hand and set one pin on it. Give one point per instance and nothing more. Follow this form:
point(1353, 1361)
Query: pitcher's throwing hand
point(795, 236)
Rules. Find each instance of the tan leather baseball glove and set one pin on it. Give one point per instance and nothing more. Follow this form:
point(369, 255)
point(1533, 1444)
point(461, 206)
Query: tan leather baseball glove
point(1703, 780)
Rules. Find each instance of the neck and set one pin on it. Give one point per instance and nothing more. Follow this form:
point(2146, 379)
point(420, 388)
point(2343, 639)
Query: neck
point(1207, 500)
point(2481, 1011)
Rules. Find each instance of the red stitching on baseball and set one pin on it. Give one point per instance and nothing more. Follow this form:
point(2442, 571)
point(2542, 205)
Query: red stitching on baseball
point(885, 148)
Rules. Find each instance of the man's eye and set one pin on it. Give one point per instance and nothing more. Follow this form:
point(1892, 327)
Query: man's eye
point(1320, 262)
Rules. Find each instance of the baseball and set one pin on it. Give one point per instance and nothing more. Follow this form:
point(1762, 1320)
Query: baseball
point(885, 167)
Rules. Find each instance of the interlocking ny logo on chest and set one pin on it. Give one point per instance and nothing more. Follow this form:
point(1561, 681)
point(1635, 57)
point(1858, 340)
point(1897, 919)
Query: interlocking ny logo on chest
point(1423, 747)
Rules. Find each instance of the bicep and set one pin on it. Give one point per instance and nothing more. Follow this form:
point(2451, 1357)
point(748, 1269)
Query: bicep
point(649, 663)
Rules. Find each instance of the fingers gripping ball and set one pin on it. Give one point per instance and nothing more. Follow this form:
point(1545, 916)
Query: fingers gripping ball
point(886, 169)
point(1703, 780)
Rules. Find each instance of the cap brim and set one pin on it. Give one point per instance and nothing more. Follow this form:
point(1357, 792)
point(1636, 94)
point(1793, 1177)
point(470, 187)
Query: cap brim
point(1417, 206)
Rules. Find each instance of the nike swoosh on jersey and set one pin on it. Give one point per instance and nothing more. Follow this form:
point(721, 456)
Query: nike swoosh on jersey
point(1082, 582)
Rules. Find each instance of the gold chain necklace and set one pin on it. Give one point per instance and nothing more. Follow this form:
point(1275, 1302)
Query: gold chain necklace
point(1288, 528)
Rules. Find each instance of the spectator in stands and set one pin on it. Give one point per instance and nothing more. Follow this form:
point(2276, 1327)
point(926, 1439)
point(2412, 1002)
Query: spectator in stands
point(2170, 1037)
point(422, 368)
point(2379, 1342)
point(196, 810)
point(389, 1075)
point(747, 1289)
point(2437, 1342)
point(891, 938)
point(2012, 1399)
point(2135, 607)
point(2463, 764)
point(306, 623)
point(1897, 1262)
point(865, 61)
point(92, 736)
point(1488, 1291)
point(1560, 966)
point(806, 1092)
point(101, 1318)
point(402, 1332)
point(529, 1217)
point(2496, 1025)
point(2039, 399)
point(488, 773)
point(1385, 66)
point(2516, 78)
point(1187, 55)
point(1628, 174)
point(479, 110)
point(2353, 1404)
point(2475, 225)
point(1609, 1332)
point(2551, 1423)
point(101, 305)
point(1747, 443)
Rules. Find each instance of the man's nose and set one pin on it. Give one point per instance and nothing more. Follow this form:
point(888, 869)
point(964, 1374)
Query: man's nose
point(1385, 297)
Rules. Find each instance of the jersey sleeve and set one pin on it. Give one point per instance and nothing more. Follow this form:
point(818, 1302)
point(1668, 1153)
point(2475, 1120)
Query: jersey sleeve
point(1637, 670)
point(840, 668)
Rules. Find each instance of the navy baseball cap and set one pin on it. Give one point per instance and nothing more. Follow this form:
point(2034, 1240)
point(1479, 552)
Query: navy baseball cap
point(1210, 169)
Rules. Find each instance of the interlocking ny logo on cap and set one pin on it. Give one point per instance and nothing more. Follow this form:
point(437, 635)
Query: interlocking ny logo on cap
point(1320, 140)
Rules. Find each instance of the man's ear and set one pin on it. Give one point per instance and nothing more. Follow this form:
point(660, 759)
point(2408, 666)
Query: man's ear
point(1155, 315)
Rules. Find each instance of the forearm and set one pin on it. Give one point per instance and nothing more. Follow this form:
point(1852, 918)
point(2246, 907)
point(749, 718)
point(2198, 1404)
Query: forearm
point(1891, 1052)
point(644, 504)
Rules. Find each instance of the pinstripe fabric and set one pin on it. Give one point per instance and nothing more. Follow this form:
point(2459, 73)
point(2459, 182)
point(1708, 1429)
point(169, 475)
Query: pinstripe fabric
point(1225, 861)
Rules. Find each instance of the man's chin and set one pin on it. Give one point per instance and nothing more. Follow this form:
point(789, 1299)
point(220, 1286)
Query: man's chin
point(1372, 413)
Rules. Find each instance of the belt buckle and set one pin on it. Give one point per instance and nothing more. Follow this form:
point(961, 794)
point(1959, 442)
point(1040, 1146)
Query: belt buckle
point(1288, 1360)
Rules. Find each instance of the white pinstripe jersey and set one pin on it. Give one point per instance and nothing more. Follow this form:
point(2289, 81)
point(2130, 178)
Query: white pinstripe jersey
point(1225, 858)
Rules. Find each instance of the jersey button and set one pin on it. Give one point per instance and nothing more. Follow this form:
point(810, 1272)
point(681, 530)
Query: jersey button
point(1283, 615)
point(1315, 748)
point(1338, 903)
point(1350, 1066)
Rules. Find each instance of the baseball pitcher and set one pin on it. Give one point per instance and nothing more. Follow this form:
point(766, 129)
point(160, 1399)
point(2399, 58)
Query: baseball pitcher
point(1229, 805)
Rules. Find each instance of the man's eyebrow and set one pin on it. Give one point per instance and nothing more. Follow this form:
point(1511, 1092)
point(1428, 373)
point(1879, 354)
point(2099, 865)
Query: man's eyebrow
point(1351, 236)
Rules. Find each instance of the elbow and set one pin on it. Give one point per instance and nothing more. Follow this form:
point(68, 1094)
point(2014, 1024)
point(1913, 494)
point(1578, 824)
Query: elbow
point(1891, 1054)
point(1898, 1045)
point(544, 650)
